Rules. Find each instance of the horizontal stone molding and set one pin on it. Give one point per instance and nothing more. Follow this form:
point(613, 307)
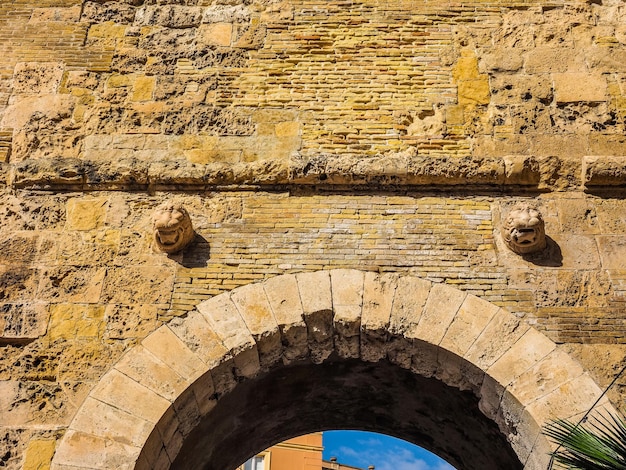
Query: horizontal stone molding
point(607, 171)
point(403, 169)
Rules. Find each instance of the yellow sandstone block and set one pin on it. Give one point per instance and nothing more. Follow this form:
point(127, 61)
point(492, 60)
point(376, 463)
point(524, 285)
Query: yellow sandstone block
point(287, 129)
point(188, 142)
point(108, 29)
point(118, 80)
point(466, 68)
point(455, 115)
point(143, 88)
point(39, 455)
point(474, 91)
point(69, 321)
point(79, 112)
point(220, 34)
point(86, 214)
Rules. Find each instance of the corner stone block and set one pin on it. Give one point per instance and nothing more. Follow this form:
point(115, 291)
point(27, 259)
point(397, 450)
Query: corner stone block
point(525, 353)
point(456, 372)
point(315, 292)
point(120, 391)
point(86, 213)
point(84, 451)
point(143, 367)
point(499, 335)
point(469, 322)
point(166, 346)
point(442, 305)
point(151, 452)
point(187, 412)
point(225, 320)
point(284, 298)
point(490, 396)
point(347, 293)
point(204, 391)
point(553, 371)
point(540, 455)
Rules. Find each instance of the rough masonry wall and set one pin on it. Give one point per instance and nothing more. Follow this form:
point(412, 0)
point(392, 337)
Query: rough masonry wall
point(300, 135)
point(81, 283)
point(226, 81)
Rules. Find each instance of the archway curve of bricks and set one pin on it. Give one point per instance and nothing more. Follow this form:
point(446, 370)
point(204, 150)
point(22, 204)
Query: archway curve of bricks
point(342, 348)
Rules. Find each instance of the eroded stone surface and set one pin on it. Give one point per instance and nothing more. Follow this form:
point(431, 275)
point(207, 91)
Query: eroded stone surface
point(172, 228)
point(523, 230)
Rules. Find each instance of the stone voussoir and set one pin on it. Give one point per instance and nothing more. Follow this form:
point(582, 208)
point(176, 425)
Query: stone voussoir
point(347, 295)
point(142, 366)
point(471, 319)
point(439, 311)
point(225, 320)
point(169, 348)
point(317, 307)
point(254, 308)
point(284, 298)
point(84, 451)
point(378, 296)
point(546, 376)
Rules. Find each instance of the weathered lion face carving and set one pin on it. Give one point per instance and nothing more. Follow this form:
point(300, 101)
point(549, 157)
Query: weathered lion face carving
point(523, 230)
point(172, 227)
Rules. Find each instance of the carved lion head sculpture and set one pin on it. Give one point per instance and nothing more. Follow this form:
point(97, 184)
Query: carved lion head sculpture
point(523, 230)
point(172, 227)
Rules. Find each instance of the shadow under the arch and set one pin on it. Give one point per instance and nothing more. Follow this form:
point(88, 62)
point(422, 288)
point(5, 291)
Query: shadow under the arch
point(346, 394)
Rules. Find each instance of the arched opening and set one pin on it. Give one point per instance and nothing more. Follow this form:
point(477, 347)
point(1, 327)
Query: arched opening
point(366, 449)
point(346, 394)
point(326, 350)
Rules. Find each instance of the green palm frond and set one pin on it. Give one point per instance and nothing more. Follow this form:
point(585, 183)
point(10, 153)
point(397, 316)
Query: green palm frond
point(600, 445)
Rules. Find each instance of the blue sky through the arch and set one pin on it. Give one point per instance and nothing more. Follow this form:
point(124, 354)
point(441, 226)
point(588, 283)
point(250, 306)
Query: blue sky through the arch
point(361, 449)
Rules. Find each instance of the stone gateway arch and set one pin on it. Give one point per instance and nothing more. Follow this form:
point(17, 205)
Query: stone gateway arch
point(304, 352)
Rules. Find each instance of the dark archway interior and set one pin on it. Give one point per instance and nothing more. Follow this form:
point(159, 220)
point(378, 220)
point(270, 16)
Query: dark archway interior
point(378, 397)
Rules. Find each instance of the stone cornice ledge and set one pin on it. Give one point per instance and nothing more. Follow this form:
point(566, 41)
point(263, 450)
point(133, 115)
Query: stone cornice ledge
point(389, 170)
point(604, 172)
